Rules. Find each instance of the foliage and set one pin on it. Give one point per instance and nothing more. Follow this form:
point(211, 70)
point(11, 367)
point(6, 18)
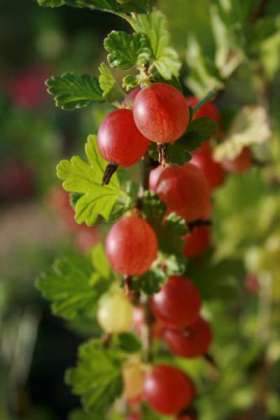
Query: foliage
point(86, 179)
point(233, 58)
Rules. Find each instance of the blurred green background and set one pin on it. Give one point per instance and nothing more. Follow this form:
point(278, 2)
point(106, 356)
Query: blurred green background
point(240, 277)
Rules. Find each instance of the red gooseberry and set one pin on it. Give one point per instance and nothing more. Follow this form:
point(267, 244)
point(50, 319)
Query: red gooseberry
point(131, 245)
point(178, 303)
point(193, 341)
point(197, 241)
point(184, 190)
point(119, 140)
point(161, 113)
point(168, 390)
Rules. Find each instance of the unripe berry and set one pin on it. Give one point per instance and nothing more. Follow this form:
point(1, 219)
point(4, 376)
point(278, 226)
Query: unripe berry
point(168, 390)
point(184, 190)
point(197, 242)
point(131, 245)
point(119, 140)
point(160, 113)
point(178, 302)
point(115, 313)
point(207, 110)
point(138, 319)
point(133, 378)
point(213, 171)
point(193, 341)
point(241, 163)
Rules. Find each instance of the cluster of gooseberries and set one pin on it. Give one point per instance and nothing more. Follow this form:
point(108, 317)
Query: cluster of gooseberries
point(160, 113)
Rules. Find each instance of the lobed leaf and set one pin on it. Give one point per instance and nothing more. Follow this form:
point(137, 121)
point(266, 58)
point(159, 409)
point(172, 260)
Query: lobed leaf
point(85, 178)
point(127, 50)
point(165, 58)
point(96, 379)
point(69, 285)
point(199, 130)
point(72, 91)
point(113, 6)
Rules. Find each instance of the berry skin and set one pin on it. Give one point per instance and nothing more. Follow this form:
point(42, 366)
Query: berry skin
point(197, 242)
point(207, 110)
point(193, 341)
point(131, 246)
point(241, 163)
point(160, 113)
point(115, 313)
point(168, 390)
point(184, 190)
point(118, 139)
point(178, 303)
point(213, 171)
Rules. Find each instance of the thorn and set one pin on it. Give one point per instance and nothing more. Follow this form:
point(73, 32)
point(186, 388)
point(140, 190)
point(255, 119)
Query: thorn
point(108, 173)
point(162, 154)
point(199, 222)
point(210, 359)
point(106, 340)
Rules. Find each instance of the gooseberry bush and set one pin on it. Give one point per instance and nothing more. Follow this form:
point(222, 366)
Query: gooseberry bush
point(143, 306)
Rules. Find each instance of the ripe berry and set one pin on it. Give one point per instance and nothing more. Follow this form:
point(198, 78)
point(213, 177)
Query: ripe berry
point(184, 190)
point(160, 113)
point(131, 246)
point(178, 303)
point(197, 242)
point(241, 163)
point(193, 341)
point(168, 390)
point(207, 110)
point(119, 140)
point(213, 171)
point(115, 313)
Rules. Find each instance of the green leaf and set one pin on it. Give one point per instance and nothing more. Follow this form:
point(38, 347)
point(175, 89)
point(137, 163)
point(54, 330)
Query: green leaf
point(85, 178)
point(199, 130)
point(69, 286)
point(127, 50)
point(165, 58)
point(228, 38)
point(150, 282)
point(129, 82)
point(81, 415)
point(262, 31)
point(51, 3)
point(177, 153)
point(153, 209)
point(108, 84)
point(171, 234)
point(100, 261)
point(113, 6)
point(129, 343)
point(96, 379)
point(72, 91)
point(203, 75)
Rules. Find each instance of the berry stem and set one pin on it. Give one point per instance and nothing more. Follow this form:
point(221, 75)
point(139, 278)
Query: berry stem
point(162, 154)
point(108, 173)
